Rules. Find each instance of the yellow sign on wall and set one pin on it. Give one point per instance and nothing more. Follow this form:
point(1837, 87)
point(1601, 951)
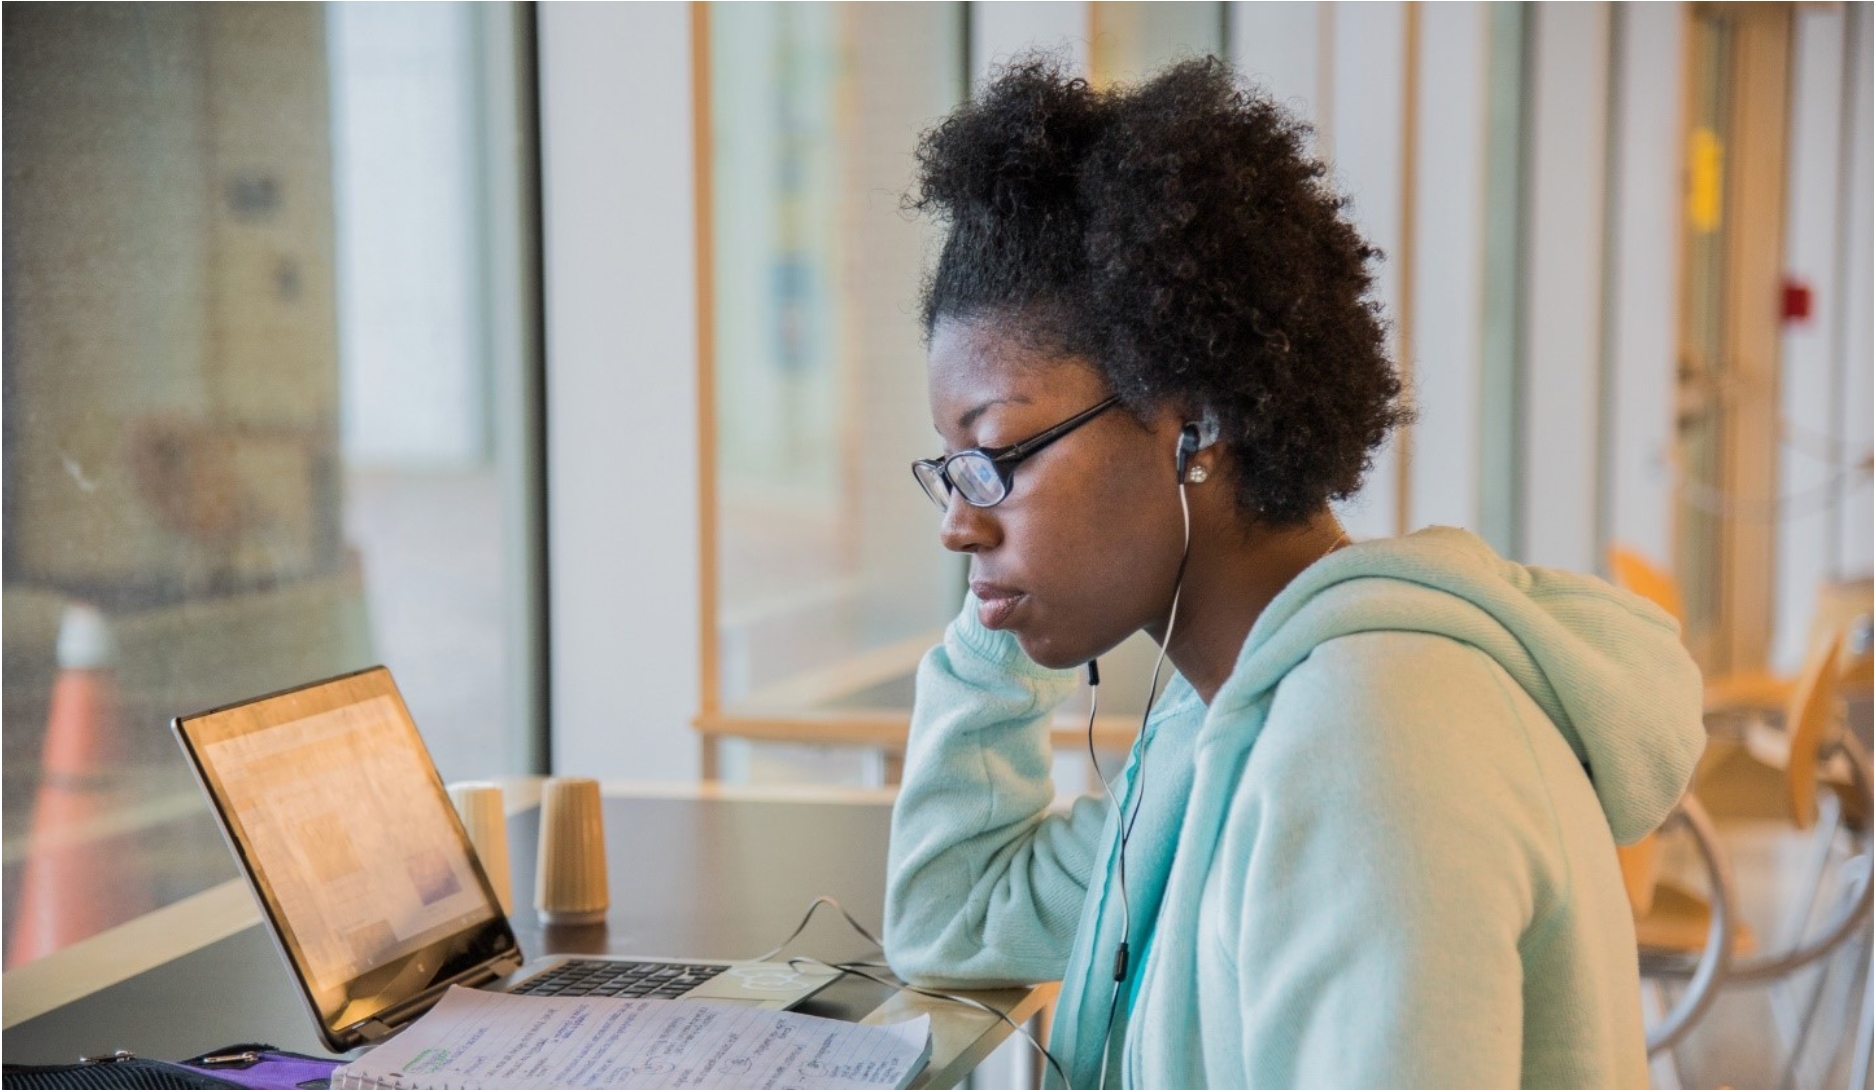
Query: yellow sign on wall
point(1706, 160)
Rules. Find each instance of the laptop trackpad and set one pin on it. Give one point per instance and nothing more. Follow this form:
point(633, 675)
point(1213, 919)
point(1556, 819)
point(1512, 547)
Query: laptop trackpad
point(779, 985)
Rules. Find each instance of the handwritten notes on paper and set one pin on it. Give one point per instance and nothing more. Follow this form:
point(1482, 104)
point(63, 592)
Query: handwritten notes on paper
point(474, 1040)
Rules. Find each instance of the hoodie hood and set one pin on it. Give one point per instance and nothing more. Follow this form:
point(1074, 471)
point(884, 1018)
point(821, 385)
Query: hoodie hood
point(1605, 665)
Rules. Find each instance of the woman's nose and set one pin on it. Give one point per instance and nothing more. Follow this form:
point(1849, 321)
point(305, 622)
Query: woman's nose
point(967, 529)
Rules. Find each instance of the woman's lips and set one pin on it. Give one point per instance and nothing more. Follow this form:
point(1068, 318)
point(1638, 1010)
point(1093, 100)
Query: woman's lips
point(996, 605)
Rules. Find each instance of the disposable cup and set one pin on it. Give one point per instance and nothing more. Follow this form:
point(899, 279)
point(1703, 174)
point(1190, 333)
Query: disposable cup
point(479, 804)
point(570, 882)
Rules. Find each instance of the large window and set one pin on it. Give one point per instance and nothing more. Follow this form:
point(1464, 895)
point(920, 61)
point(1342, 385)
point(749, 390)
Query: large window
point(829, 579)
point(266, 409)
point(1130, 40)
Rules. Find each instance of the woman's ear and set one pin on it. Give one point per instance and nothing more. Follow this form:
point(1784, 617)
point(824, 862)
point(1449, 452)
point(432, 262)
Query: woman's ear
point(1194, 436)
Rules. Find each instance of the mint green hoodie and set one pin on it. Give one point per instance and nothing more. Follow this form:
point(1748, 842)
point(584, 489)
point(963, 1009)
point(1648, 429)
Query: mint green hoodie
point(1383, 855)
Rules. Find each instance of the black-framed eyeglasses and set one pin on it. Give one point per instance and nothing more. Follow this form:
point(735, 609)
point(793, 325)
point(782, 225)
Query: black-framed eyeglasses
point(982, 474)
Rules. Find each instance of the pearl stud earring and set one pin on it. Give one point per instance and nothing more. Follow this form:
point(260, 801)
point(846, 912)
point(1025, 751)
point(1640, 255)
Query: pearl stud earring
point(1196, 475)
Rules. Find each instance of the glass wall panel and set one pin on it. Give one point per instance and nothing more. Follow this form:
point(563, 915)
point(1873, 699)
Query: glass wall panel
point(1703, 370)
point(831, 580)
point(255, 273)
point(1133, 39)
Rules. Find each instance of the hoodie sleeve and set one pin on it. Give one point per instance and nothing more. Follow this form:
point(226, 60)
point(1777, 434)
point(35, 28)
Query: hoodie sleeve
point(985, 886)
point(1383, 881)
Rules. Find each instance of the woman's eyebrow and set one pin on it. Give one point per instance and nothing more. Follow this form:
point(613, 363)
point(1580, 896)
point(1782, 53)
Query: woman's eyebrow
point(966, 420)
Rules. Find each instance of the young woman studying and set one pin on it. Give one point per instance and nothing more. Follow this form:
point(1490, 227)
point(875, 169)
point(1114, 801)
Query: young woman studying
point(1366, 836)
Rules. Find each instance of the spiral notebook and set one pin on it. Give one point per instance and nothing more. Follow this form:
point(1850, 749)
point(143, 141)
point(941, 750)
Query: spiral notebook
point(476, 1040)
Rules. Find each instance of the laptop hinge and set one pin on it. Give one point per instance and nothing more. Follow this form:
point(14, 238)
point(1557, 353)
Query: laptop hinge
point(370, 1031)
point(391, 1019)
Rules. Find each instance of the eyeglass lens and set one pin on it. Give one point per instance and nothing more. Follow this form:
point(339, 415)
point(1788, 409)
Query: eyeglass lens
point(970, 472)
point(931, 479)
point(976, 476)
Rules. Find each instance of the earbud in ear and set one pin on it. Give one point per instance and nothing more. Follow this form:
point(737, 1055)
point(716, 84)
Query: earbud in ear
point(1195, 436)
point(1207, 425)
point(1188, 446)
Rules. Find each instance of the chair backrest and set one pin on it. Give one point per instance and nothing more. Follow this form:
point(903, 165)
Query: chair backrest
point(1847, 608)
point(1808, 718)
point(1641, 867)
point(1637, 574)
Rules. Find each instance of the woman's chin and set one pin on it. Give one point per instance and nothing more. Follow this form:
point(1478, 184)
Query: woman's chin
point(1049, 654)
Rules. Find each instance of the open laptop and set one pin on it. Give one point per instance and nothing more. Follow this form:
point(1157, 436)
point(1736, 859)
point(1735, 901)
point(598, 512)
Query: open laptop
point(368, 881)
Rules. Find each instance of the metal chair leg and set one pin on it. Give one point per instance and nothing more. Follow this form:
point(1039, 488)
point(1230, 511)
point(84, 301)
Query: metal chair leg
point(1822, 843)
point(1794, 1056)
point(1716, 960)
point(1797, 921)
point(1860, 1071)
point(1664, 1068)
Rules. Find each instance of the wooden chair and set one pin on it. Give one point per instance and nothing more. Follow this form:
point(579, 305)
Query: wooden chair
point(1742, 692)
point(1636, 573)
point(1672, 921)
point(1807, 747)
point(1798, 750)
point(1812, 748)
point(1684, 934)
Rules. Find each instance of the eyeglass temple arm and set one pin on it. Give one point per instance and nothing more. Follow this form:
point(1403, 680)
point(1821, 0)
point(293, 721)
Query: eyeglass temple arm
point(1037, 442)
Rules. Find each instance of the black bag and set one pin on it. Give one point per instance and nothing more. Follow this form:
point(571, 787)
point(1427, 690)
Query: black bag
point(242, 1067)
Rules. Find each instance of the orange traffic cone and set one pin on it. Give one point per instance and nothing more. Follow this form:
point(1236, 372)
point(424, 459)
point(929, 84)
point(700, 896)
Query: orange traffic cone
point(74, 885)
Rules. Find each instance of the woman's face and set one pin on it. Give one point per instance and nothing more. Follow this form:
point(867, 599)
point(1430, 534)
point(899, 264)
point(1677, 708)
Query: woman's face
point(1084, 550)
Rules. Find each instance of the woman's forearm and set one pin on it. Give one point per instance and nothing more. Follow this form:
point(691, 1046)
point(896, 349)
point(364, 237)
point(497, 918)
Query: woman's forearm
point(986, 886)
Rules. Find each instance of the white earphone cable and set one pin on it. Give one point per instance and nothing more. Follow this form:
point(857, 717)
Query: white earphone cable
point(1124, 821)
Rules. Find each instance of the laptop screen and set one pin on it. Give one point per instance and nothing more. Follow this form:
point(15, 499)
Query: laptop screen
point(337, 815)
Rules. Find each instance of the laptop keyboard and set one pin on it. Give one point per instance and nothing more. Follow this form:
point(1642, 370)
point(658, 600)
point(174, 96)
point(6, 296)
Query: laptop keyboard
point(625, 979)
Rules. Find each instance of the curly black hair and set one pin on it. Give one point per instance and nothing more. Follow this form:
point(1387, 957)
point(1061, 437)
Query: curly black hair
point(1175, 233)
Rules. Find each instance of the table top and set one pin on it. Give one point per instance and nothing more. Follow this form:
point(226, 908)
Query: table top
point(721, 877)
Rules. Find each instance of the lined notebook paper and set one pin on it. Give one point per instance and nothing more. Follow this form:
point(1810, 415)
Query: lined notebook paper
point(474, 1040)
